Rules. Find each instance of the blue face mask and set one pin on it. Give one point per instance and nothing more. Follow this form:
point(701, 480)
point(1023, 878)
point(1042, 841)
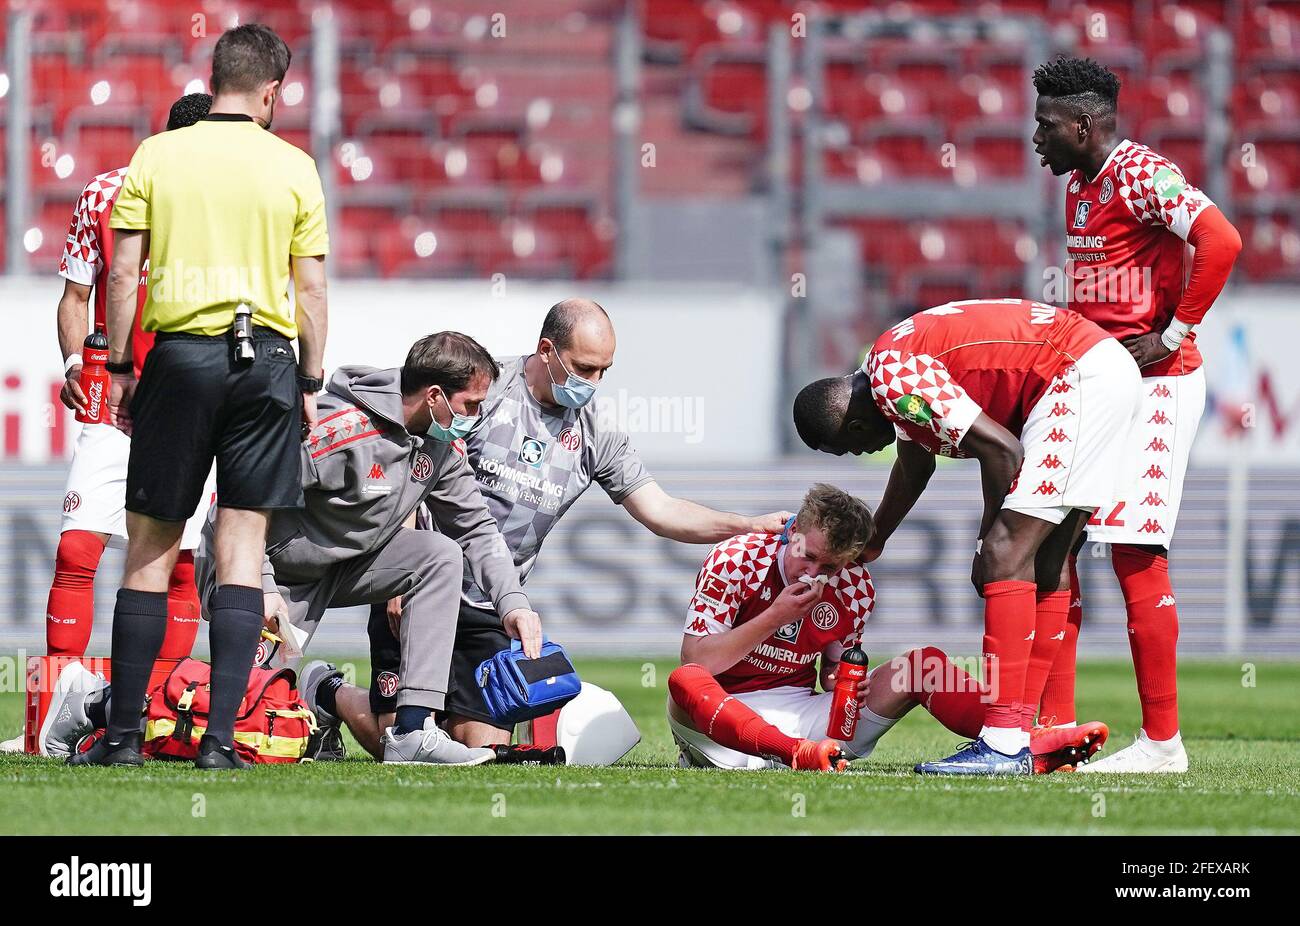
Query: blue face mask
point(575, 391)
point(460, 428)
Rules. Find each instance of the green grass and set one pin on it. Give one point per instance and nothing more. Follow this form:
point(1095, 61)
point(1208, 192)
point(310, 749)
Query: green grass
point(1244, 744)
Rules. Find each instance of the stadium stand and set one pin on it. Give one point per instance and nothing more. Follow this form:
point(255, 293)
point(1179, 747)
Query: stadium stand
point(458, 156)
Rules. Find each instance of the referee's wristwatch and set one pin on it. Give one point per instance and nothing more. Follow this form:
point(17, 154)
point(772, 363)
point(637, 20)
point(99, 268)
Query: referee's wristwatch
point(311, 384)
point(119, 368)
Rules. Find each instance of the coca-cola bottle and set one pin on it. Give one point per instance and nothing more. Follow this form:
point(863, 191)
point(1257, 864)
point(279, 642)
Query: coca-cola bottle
point(844, 702)
point(95, 379)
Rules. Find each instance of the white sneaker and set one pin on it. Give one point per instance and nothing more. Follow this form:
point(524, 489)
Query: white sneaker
point(430, 746)
point(1145, 755)
point(66, 721)
point(13, 745)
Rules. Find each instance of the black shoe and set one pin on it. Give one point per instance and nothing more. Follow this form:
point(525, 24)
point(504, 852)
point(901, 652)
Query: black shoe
point(214, 755)
point(526, 754)
point(125, 752)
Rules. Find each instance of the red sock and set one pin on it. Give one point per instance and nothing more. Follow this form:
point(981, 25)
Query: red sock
point(182, 610)
point(71, 606)
point(725, 720)
point(1152, 635)
point(1058, 692)
point(952, 697)
point(1009, 615)
point(1049, 632)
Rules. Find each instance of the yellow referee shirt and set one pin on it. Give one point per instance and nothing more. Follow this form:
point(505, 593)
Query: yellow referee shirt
point(226, 204)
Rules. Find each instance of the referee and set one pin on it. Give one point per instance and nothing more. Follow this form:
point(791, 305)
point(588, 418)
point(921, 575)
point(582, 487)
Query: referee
point(227, 213)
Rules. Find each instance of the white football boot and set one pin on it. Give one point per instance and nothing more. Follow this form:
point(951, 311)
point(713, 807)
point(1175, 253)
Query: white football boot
point(13, 745)
point(1144, 756)
point(66, 721)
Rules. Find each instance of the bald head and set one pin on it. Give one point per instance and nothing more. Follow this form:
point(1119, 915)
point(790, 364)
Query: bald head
point(571, 318)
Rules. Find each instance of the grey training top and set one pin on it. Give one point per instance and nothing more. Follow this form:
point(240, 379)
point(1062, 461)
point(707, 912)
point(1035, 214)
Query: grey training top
point(532, 463)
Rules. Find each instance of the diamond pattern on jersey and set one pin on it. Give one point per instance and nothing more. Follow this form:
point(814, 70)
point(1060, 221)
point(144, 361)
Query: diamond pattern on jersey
point(83, 250)
point(1139, 170)
point(895, 374)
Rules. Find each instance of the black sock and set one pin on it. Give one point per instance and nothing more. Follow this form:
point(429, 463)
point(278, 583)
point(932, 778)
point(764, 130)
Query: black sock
point(411, 717)
point(327, 691)
point(97, 707)
point(139, 625)
point(233, 633)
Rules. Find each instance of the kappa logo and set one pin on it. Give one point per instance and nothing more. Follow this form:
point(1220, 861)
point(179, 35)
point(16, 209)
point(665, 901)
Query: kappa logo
point(1161, 391)
point(698, 625)
point(1153, 499)
point(1058, 636)
point(1154, 472)
point(531, 451)
point(1060, 387)
point(1051, 461)
point(766, 594)
point(71, 502)
point(1081, 213)
point(387, 683)
point(1107, 191)
point(1046, 488)
point(824, 616)
point(376, 472)
point(1060, 409)
point(1057, 435)
point(422, 468)
point(570, 439)
point(789, 633)
point(1159, 417)
point(1075, 186)
point(1152, 526)
point(1158, 444)
point(1167, 601)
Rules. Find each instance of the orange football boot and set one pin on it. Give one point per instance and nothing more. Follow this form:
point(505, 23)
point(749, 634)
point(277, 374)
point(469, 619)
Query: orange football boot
point(820, 755)
point(1061, 748)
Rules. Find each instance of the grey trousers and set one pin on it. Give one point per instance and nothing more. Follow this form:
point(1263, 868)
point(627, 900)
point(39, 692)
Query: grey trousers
point(424, 567)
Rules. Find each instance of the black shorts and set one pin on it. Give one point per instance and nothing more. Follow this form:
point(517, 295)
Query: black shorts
point(479, 636)
point(196, 403)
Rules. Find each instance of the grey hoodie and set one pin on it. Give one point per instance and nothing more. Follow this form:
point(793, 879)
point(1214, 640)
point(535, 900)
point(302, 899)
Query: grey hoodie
point(363, 474)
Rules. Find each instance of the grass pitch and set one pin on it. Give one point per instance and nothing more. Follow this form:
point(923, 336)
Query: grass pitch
point(1243, 739)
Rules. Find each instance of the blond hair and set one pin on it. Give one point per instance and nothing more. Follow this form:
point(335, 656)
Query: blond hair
point(842, 518)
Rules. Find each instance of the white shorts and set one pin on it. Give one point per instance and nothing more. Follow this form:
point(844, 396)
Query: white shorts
point(1145, 508)
point(797, 712)
point(1076, 436)
point(95, 499)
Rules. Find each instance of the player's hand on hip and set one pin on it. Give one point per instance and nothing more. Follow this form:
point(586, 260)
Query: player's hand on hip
point(119, 401)
point(310, 418)
point(395, 615)
point(772, 523)
point(273, 609)
point(525, 626)
point(1146, 348)
point(71, 394)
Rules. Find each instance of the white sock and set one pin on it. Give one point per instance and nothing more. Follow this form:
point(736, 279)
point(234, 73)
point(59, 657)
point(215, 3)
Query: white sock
point(871, 727)
point(1006, 740)
point(1162, 747)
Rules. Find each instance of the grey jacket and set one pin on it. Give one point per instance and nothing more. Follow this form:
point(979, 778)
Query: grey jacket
point(363, 474)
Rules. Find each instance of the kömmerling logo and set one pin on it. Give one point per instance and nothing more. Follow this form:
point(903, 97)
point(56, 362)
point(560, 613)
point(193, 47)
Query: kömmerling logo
point(76, 878)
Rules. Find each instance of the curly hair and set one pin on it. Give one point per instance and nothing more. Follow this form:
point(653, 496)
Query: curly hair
point(1082, 78)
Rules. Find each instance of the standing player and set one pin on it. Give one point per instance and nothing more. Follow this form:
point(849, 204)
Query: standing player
point(95, 498)
point(540, 446)
point(1130, 216)
point(1011, 383)
point(766, 607)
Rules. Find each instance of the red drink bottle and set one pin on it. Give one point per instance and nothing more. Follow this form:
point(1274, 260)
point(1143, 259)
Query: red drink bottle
point(844, 702)
point(95, 379)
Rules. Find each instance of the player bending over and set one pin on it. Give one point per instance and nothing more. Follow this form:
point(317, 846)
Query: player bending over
point(1011, 383)
point(766, 607)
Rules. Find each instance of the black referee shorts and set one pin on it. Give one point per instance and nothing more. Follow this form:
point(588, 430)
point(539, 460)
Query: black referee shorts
point(479, 636)
point(195, 403)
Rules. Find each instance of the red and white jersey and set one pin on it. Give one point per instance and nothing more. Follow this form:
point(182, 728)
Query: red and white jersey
point(1126, 235)
point(87, 254)
point(739, 581)
point(932, 374)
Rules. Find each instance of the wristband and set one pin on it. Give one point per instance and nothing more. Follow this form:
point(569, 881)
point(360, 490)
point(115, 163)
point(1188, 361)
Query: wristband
point(979, 546)
point(1175, 333)
point(120, 367)
point(310, 384)
point(72, 361)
